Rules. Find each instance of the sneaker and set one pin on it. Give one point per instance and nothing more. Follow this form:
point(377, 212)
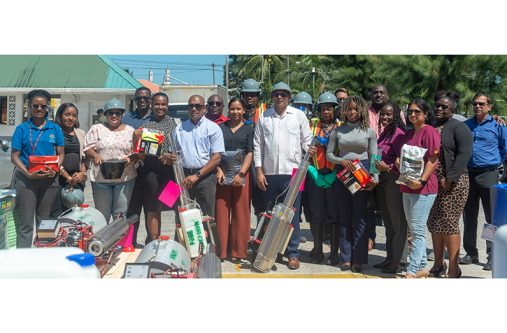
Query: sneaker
point(430, 256)
point(467, 260)
point(487, 266)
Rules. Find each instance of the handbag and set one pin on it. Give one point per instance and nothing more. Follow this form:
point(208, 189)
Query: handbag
point(36, 163)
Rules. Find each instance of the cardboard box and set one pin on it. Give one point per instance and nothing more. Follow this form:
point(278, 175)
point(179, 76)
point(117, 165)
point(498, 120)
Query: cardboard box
point(356, 180)
point(150, 143)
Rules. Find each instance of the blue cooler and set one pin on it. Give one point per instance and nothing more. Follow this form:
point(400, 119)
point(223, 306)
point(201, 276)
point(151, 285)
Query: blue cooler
point(499, 209)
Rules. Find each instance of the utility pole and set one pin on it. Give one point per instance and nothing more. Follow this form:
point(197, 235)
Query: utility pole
point(227, 76)
point(288, 71)
point(314, 73)
point(213, 68)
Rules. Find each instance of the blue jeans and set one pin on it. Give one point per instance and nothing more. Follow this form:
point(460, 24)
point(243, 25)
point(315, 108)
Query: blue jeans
point(112, 198)
point(417, 209)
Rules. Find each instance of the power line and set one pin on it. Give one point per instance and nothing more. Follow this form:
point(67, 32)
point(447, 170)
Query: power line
point(172, 70)
point(161, 62)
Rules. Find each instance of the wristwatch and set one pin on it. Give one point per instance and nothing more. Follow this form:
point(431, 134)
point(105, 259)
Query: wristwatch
point(423, 182)
point(241, 174)
point(198, 173)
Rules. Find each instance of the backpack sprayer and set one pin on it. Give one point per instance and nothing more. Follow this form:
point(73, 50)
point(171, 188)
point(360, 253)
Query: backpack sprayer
point(274, 229)
point(191, 231)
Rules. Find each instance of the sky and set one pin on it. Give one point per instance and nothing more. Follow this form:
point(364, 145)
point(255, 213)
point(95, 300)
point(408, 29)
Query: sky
point(193, 69)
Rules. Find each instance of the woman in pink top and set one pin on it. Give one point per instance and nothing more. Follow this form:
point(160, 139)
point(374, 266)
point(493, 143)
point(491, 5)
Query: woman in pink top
point(388, 192)
point(419, 195)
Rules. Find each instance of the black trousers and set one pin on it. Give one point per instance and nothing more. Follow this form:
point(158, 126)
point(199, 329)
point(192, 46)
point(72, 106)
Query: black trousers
point(136, 206)
point(34, 198)
point(257, 197)
point(323, 202)
point(479, 189)
point(204, 191)
point(391, 208)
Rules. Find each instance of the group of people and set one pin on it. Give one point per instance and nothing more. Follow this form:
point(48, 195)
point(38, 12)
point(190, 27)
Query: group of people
point(247, 158)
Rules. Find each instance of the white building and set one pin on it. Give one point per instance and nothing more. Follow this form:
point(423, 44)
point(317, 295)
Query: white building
point(87, 81)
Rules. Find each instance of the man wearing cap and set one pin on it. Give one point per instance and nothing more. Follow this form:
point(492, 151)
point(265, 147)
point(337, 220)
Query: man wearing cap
point(304, 102)
point(215, 109)
point(281, 134)
point(250, 93)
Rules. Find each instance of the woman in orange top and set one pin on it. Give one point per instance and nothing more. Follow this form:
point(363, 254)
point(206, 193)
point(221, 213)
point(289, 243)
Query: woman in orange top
point(321, 183)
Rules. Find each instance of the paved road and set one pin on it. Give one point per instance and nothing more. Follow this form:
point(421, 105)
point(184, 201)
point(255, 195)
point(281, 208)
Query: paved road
point(308, 269)
point(5, 168)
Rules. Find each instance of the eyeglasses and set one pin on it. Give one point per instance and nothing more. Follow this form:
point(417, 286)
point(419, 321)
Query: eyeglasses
point(140, 98)
point(479, 104)
point(215, 103)
point(279, 94)
point(441, 106)
point(40, 106)
point(114, 113)
point(198, 107)
point(414, 112)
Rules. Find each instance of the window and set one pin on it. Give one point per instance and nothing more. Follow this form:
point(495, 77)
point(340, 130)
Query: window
point(3, 108)
point(56, 100)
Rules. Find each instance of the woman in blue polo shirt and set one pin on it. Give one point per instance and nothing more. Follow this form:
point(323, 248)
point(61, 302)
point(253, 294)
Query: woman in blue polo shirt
point(35, 191)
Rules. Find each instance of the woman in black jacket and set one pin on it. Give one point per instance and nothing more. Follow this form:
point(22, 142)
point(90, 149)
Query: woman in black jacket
point(452, 174)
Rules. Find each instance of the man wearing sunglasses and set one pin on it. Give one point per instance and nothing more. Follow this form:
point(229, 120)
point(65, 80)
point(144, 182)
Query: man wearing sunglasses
point(489, 150)
point(281, 135)
point(250, 92)
point(201, 141)
point(215, 108)
point(136, 119)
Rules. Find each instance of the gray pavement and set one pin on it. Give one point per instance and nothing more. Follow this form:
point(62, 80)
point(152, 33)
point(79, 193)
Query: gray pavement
point(308, 269)
point(6, 168)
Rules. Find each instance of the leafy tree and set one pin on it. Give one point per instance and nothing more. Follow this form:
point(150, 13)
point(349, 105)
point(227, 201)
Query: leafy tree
point(406, 76)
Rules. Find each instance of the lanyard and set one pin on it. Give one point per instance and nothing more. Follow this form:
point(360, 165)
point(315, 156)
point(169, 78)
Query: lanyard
point(36, 141)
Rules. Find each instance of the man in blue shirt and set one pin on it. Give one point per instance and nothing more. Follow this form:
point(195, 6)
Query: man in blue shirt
point(136, 119)
point(489, 150)
point(201, 141)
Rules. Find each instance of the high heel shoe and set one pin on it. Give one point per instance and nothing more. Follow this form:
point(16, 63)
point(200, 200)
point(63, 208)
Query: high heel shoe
point(438, 272)
point(455, 277)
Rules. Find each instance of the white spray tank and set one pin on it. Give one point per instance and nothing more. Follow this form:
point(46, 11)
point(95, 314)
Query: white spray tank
point(164, 254)
point(50, 262)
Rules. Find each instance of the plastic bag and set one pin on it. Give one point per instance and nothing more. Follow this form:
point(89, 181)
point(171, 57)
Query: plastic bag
point(411, 164)
point(356, 180)
point(231, 163)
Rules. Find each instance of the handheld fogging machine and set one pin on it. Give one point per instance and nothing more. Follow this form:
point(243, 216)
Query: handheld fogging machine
point(274, 229)
point(190, 230)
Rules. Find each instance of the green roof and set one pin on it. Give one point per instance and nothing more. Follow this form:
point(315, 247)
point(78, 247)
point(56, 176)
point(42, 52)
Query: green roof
point(63, 71)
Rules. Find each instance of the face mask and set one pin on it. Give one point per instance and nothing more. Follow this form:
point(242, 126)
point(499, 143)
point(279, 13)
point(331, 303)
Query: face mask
point(323, 141)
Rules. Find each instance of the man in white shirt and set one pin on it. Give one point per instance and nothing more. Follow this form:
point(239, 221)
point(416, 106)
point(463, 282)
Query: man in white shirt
point(280, 137)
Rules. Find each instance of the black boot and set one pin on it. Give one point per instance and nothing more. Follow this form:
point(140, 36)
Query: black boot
point(316, 254)
point(333, 258)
